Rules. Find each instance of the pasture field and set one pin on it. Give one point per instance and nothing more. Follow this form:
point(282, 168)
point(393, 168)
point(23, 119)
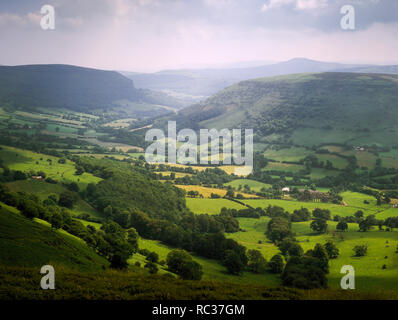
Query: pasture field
point(319, 173)
point(110, 145)
point(369, 274)
point(354, 203)
point(206, 192)
point(211, 206)
point(237, 170)
point(364, 158)
point(24, 160)
point(43, 190)
point(338, 162)
point(336, 149)
point(293, 154)
point(118, 124)
point(382, 248)
point(212, 269)
point(254, 185)
point(287, 167)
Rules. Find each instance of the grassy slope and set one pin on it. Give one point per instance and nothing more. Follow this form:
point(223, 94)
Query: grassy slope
point(206, 192)
point(212, 269)
point(30, 244)
point(43, 190)
point(211, 206)
point(24, 160)
point(360, 110)
point(254, 185)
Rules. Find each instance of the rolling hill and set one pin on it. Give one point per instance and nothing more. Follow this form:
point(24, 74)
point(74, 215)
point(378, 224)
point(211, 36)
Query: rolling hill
point(71, 87)
point(305, 109)
point(201, 83)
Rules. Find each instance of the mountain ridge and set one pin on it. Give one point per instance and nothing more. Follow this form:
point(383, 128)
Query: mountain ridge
point(207, 81)
point(291, 106)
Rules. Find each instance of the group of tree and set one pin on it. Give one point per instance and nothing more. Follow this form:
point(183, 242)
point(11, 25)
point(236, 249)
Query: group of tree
point(111, 241)
point(181, 263)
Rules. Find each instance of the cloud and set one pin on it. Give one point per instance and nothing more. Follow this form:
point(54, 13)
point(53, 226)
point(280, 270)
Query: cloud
point(298, 4)
point(220, 4)
point(149, 35)
point(311, 4)
point(12, 19)
point(274, 4)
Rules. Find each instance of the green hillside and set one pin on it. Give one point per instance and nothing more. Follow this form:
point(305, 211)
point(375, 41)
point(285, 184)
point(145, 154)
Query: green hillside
point(27, 243)
point(75, 88)
point(306, 109)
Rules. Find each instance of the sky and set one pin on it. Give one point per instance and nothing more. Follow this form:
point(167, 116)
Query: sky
point(151, 35)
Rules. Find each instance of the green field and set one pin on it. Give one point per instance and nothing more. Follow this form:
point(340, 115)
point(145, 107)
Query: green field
point(254, 185)
point(369, 272)
point(17, 159)
point(43, 190)
point(212, 269)
point(211, 206)
point(293, 154)
point(354, 202)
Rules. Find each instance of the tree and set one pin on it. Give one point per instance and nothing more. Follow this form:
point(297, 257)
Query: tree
point(230, 193)
point(67, 199)
point(342, 226)
point(289, 247)
point(233, 262)
point(360, 250)
point(304, 273)
point(320, 253)
point(19, 175)
point(79, 170)
point(366, 224)
point(73, 187)
point(256, 263)
point(321, 214)
point(319, 225)
point(191, 270)
point(29, 209)
point(152, 268)
point(180, 262)
point(153, 257)
point(57, 220)
point(332, 250)
point(132, 239)
point(118, 262)
point(278, 229)
point(359, 214)
point(276, 264)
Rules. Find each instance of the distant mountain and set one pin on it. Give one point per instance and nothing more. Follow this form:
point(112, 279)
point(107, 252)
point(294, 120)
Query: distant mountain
point(70, 87)
point(371, 69)
point(205, 82)
point(305, 109)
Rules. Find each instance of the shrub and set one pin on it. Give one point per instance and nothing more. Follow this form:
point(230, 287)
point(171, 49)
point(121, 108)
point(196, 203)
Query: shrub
point(152, 268)
point(276, 264)
point(361, 250)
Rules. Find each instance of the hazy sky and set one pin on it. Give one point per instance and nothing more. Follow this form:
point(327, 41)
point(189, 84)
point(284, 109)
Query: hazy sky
point(149, 35)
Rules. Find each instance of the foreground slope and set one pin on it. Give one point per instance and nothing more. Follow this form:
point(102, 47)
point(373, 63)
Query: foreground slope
point(26, 243)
